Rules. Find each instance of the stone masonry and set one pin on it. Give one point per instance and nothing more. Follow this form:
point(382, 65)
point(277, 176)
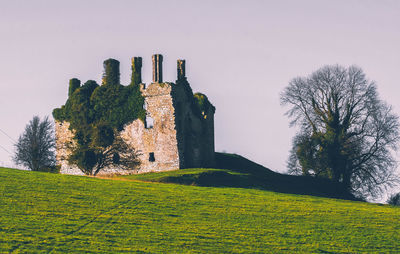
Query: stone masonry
point(174, 135)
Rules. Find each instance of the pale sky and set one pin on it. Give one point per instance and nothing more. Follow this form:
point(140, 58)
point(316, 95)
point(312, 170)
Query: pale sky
point(241, 54)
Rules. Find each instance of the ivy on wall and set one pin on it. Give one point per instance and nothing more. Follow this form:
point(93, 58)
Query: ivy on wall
point(111, 103)
point(96, 113)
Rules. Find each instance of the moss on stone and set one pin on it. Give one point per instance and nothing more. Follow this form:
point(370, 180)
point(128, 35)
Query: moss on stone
point(202, 103)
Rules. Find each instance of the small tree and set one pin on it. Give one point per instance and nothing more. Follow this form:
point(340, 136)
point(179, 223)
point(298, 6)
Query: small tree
point(107, 148)
point(35, 147)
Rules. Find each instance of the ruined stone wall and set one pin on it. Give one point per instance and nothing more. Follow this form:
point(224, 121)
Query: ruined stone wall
point(179, 138)
point(64, 142)
point(208, 140)
point(160, 139)
point(195, 133)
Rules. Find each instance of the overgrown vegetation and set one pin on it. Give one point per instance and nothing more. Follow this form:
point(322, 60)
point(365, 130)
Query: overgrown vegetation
point(49, 213)
point(200, 104)
point(203, 105)
point(96, 115)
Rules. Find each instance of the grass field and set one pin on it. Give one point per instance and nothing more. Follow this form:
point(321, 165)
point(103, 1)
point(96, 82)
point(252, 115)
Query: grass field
point(43, 212)
point(239, 172)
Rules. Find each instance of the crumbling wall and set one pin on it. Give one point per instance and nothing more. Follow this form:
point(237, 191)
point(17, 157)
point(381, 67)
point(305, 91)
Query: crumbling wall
point(157, 144)
point(64, 143)
point(195, 131)
point(208, 140)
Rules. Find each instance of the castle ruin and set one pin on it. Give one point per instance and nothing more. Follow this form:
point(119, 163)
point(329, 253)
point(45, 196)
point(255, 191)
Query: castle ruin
point(175, 134)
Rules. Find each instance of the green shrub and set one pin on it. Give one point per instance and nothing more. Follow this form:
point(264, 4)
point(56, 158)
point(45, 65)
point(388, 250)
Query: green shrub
point(394, 199)
point(52, 169)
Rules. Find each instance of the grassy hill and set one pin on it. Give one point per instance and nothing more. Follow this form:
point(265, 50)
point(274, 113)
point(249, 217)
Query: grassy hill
point(236, 171)
point(43, 212)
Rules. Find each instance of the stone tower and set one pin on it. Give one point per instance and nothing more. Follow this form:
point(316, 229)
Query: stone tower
point(178, 131)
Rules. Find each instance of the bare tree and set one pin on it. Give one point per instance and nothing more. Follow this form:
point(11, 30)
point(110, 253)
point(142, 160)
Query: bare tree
point(346, 132)
point(35, 147)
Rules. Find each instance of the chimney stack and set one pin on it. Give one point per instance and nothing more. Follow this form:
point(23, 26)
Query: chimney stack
point(181, 69)
point(157, 68)
point(111, 72)
point(136, 70)
point(73, 85)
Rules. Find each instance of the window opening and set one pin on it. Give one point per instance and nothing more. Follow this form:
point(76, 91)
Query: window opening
point(151, 157)
point(149, 122)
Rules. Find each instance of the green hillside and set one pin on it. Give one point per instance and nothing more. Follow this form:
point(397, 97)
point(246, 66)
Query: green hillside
point(43, 212)
point(239, 172)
